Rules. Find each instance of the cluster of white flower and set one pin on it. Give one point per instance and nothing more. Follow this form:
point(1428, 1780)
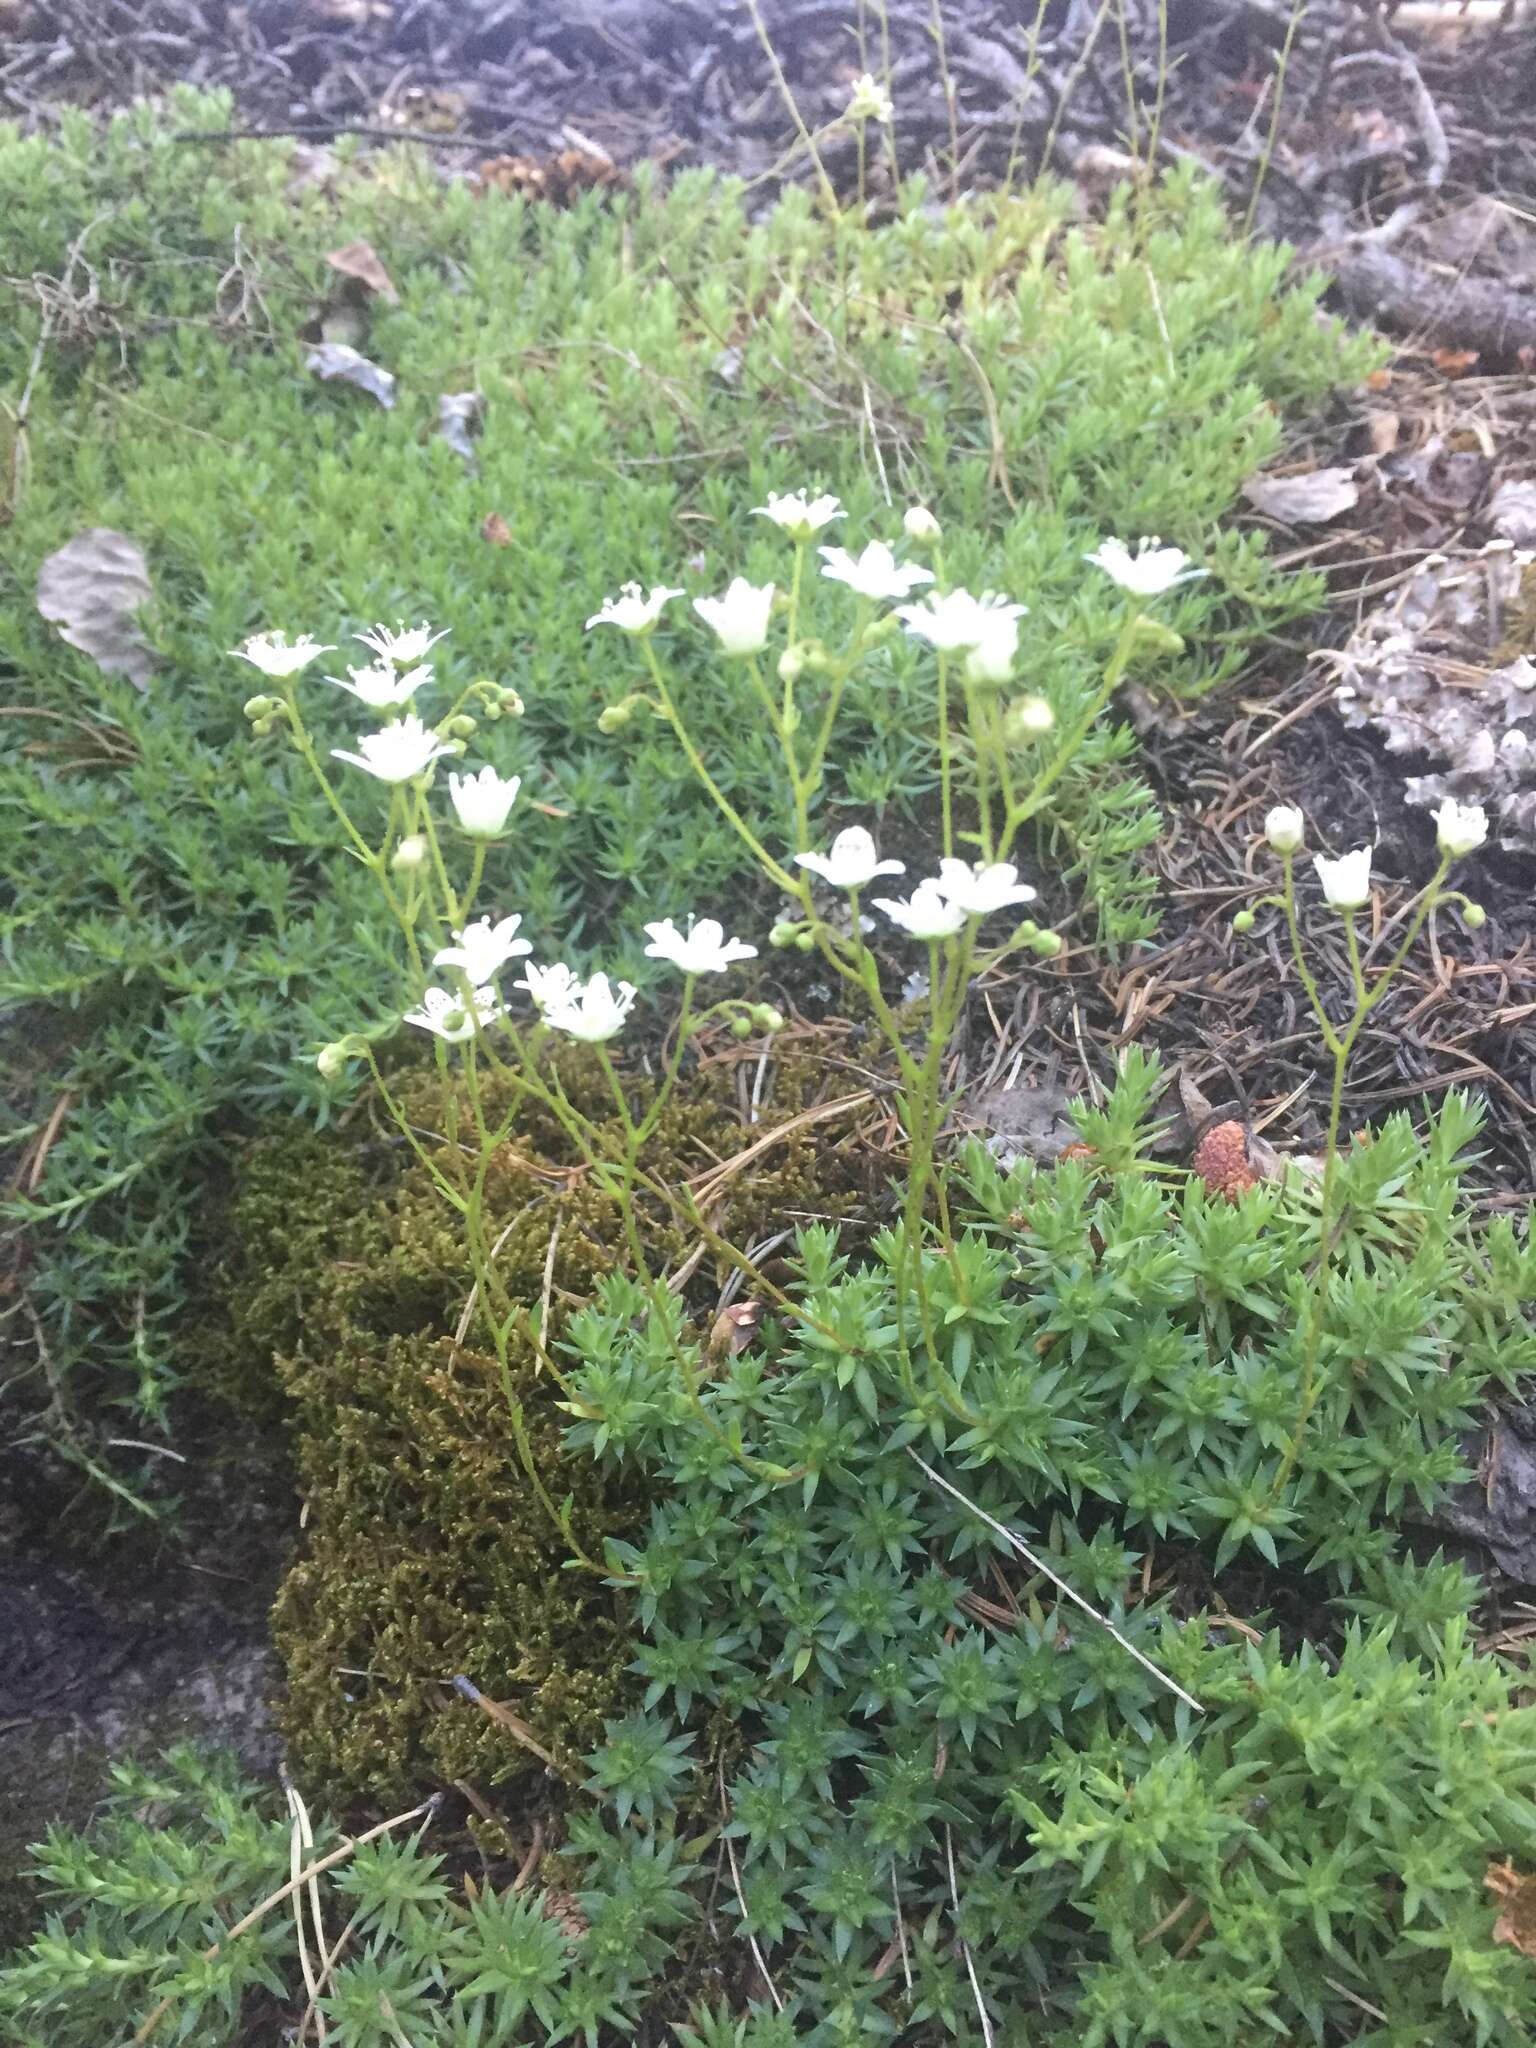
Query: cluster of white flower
point(940, 905)
point(1460, 829)
point(984, 630)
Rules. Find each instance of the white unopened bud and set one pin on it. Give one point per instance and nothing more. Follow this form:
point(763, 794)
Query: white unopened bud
point(919, 524)
point(1285, 828)
point(409, 854)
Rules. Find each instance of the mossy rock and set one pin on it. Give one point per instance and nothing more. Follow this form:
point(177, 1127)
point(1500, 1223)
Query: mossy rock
point(427, 1554)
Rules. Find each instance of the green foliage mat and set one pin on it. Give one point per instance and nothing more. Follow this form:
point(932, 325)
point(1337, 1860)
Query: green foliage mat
point(649, 367)
point(869, 1771)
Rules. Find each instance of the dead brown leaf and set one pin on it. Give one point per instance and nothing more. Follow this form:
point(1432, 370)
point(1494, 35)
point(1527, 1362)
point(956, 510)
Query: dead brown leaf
point(1385, 430)
point(504, 1717)
point(496, 530)
point(359, 261)
point(1311, 499)
point(1454, 362)
point(1516, 1924)
point(93, 589)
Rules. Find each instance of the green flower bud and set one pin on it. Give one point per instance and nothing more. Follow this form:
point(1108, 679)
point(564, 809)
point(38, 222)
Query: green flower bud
point(461, 726)
point(491, 710)
point(791, 662)
point(783, 935)
point(1151, 636)
point(614, 717)
point(1046, 944)
point(1474, 917)
point(766, 1017)
point(1244, 921)
point(805, 941)
point(1026, 719)
point(264, 726)
point(262, 707)
point(741, 1027)
point(332, 1060)
point(511, 703)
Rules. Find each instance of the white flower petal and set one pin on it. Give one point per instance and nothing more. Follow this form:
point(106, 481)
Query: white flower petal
point(702, 949)
point(957, 622)
point(852, 863)
point(278, 656)
point(1460, 828)
point(632, 611)
point(403, 750)
point(594, 1012)
point(1149, 572)
point(926, 914)
point(482, 949)
point(798, 513)
point(1347, 880)
point(481, 802)
point(739, 619)
point(402, 645)
point(876, 573)
point(979, 890)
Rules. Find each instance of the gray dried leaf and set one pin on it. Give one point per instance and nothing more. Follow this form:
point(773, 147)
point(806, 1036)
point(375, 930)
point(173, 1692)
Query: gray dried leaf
point(460, 415)
point(1434, 671)
point(1310, 500)
point(1512, 511)
point(92, 589)
point(333, 359)
point(1029, 1120)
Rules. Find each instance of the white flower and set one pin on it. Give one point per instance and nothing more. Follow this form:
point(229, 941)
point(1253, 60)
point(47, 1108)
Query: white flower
point(1149, 572)
point(981, 889)
point(1462, 828)
point(1285, 828)
point(870, 101)
point(991, 659)
point(703, 949)
point(551, 987)
point(403, 645)
point(740, 618)
point(594, 1012)
point(632, 611)
point(1347, 880)
point(798, 514)
point(448, 1016)
point(851, 864)
point(278, 656)
point(404, 748)
point(927, 914)
point(876, 573)
point(482, 801)
point(957, 622)
point(918, 523)
point(482, 949)
point(382, 688)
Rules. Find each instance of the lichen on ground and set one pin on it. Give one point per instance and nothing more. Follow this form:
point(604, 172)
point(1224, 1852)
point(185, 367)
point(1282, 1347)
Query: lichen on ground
point(426, 1553)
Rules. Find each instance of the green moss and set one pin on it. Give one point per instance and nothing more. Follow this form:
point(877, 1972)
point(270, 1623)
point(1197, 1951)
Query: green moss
point(427, 1553)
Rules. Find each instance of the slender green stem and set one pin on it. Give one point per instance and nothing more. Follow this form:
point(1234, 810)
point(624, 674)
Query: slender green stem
point(786, 881)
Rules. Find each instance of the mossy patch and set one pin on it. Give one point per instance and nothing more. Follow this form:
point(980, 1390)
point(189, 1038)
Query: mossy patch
point(427, 1554)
